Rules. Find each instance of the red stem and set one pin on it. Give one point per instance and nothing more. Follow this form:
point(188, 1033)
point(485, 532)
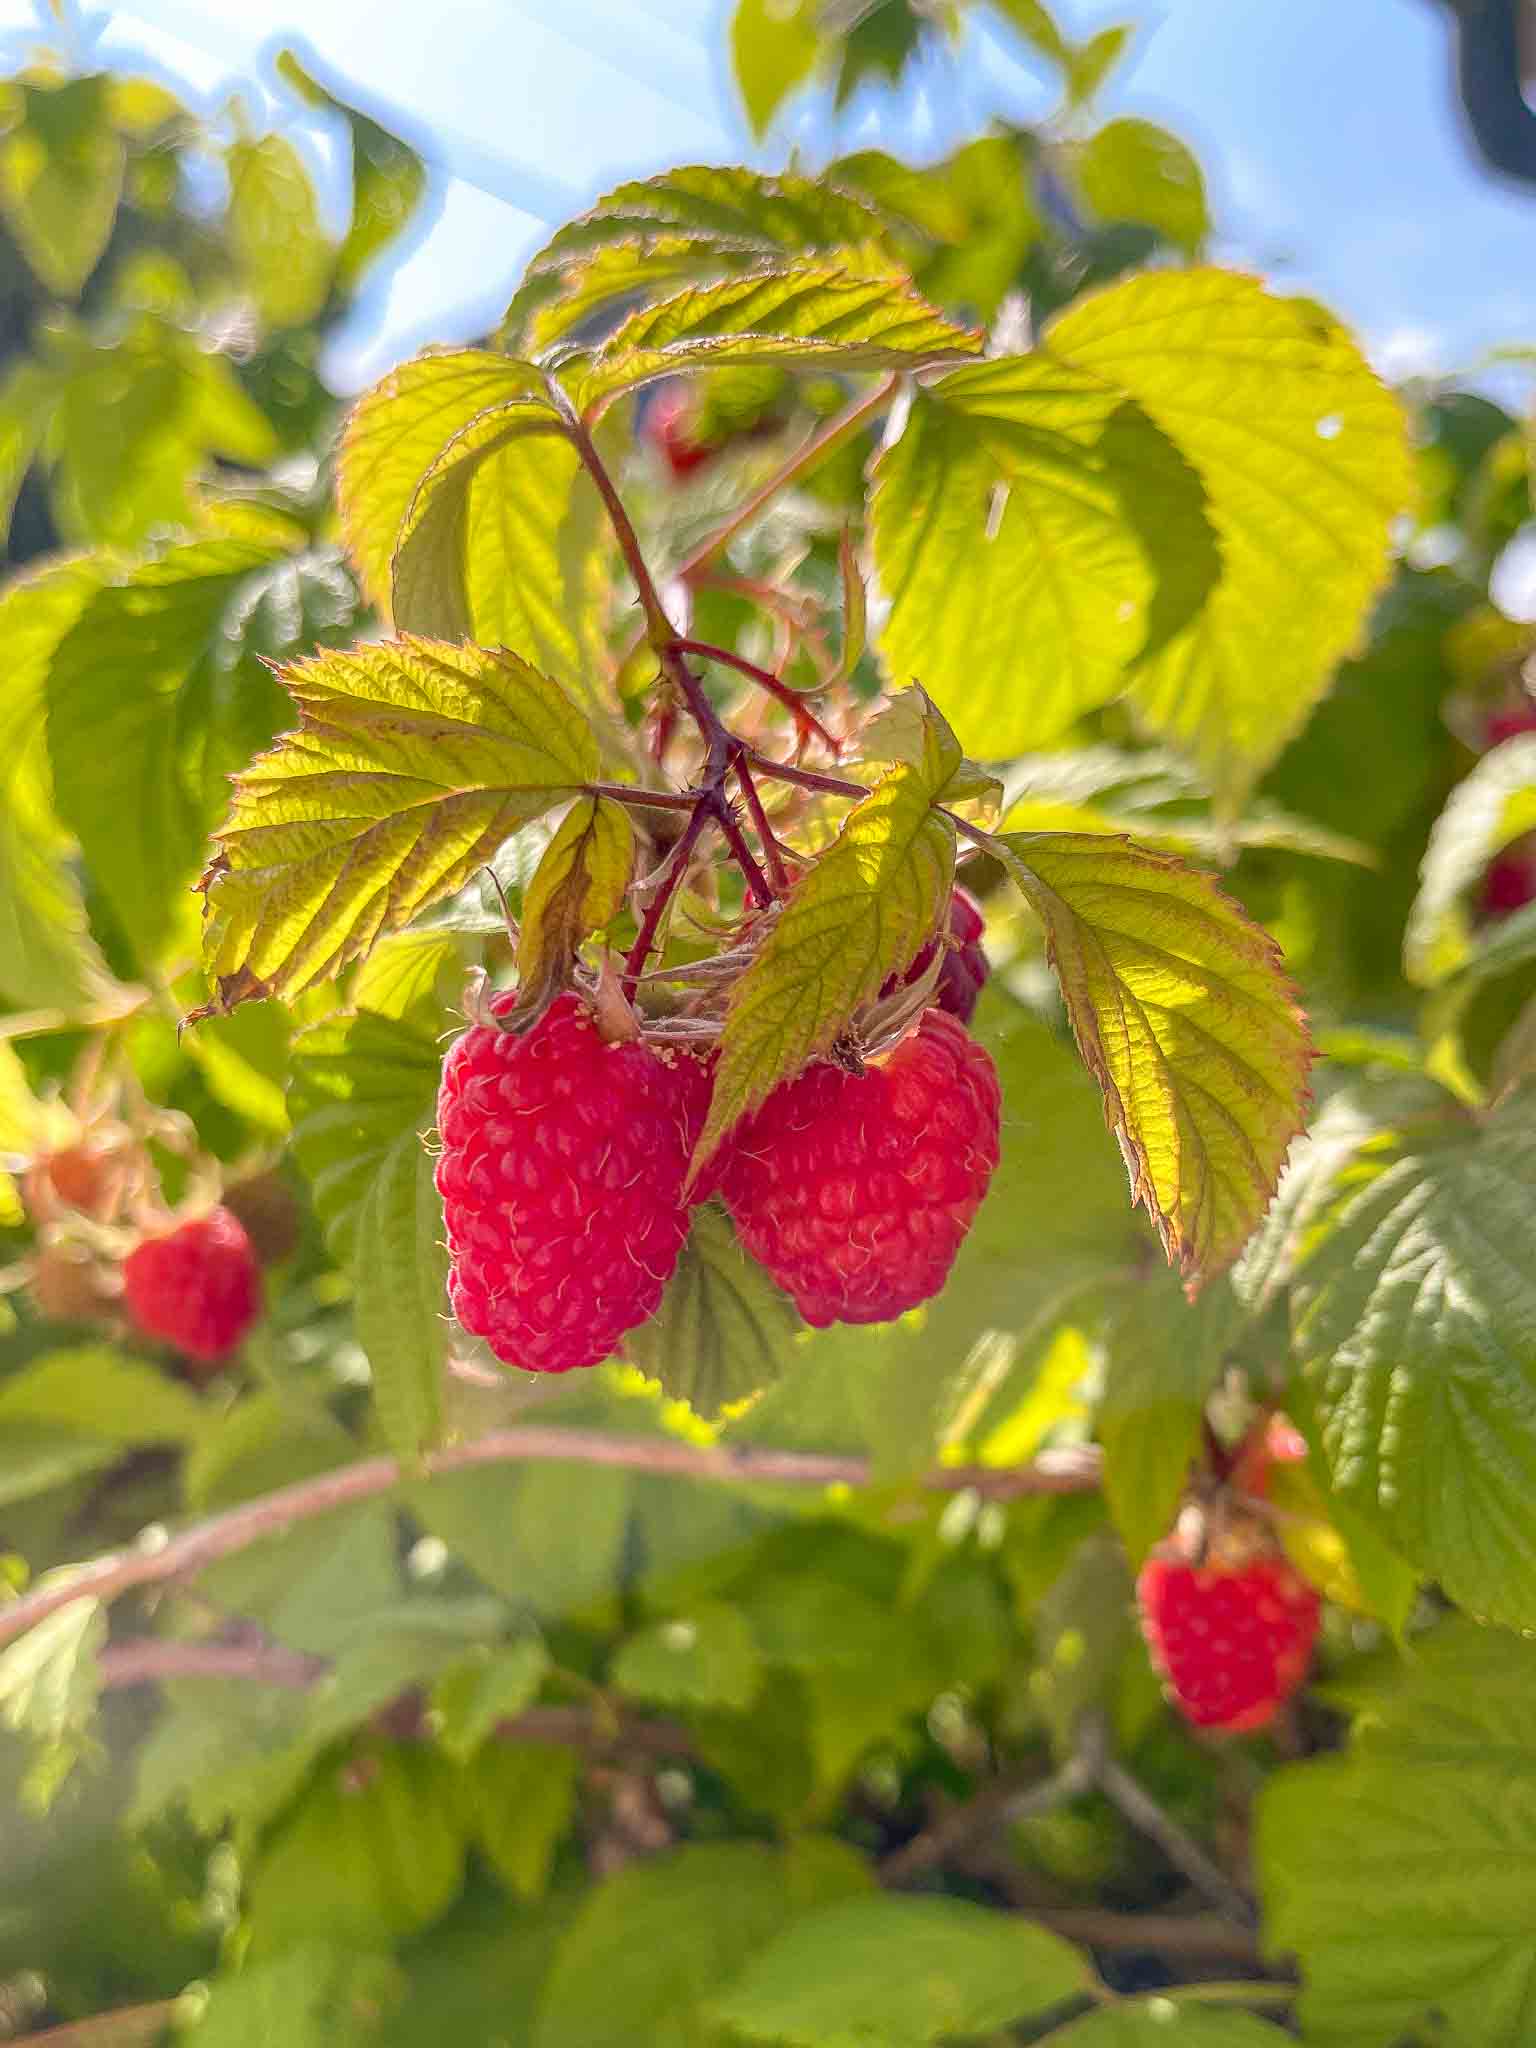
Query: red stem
point(792, 700)
point(765, 833)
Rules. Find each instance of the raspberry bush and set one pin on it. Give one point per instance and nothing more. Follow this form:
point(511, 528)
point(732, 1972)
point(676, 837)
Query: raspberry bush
point(730, 1024)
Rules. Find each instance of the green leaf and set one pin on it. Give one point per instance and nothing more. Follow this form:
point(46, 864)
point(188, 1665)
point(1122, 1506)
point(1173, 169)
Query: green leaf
point(687, 225)
point(361, 1087)
point(280, 248)
point(1007, 531)
point(402, 1295)
point(49, 1680)
point(372, 1849)
point(521, 1797)
point(900, 1972)
point(706, 1657)
point(1163, 1356)
point(389, 179)
point(1304, 458)
point(397, 431)
point(412, 762)
point(858, 915)
point(1082, 1628)
point(314, 1995)
point(104, 1394)
point(835, 315)
point(513, 1530)
point(393, 1649)
point(135, 730)
point(774, 48)
point(1492, 806)
point(28, 395)
point(1093, 61)
point(225, 1754)
point(651, 1945)
point(578, 888)
point(1134, 170)
point(491, 1686)
point(46, 956)
point(505, 541)
point(1415, 1321)
point(1401, 1873)
point(1187, 1022)
point(723, 1330)
point(1160, 2023)
point(1037, 25)
point(61, 175)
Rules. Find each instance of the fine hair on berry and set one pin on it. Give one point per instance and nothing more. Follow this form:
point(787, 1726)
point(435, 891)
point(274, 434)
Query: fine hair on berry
point(856, 1190)
point(196, 1286)
point(561, 1171)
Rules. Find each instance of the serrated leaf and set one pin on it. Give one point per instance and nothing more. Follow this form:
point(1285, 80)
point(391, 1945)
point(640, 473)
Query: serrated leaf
point(104, 1394)
point(1160, 2023)
point(858, 915)
point(504, 541)
point(412, 762)
point(49, 1679)
point(706, 1657)
point(690, 223)
point(280, 248)
point(578, 887)
point(1011, 538)
point(1134, 170)
point(1415, 1320)
point(372, 1850)
point(513, 1530)
point(61, 175)
point(650, 1946)
point(834, 315)
point(397, 431)
point(723, 1331)
point(401, 1296)
point(1400, 1874)
point(901, 1972)
point(135, 732)
point(1491, 807)
point(1162, 1357)
point(774, 48)
point(394, 1649)
point(46, 956)
point(389, 179)
point(360, 1086)
point(473, 1696)
point(1304, 458)
point(1186, 1020)
point(520, 1799)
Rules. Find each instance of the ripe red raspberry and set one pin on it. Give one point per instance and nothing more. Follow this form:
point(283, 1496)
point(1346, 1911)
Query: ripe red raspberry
point(856, 1190)
point(196, 1286)
point(963, 971)
point(1232, 1643)
point(561, 1175)
point(1508, 884)
point(668, 427)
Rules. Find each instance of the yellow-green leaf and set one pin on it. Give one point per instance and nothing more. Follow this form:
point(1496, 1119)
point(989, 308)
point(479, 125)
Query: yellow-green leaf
point(1185, 1017)
point(774, 47)
point(577, 888)
point(1304, 457)
point(274, 226)
point(395, 434)
point(834, 314)
point(1134, 170)
point(412, 762)
point(857, 916)
point(388, 178)
point(61, 175)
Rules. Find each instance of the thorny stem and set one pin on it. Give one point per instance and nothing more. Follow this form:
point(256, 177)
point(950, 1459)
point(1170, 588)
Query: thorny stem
point(646, 799)
point(792, 700)
point(157, 1558)
point(772, 851)
point(656, 909)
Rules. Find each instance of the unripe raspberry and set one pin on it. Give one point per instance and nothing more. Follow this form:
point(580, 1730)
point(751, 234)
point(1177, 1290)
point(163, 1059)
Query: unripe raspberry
point(197, 1286)
point(1273, 1441)
point(71, 1284)
point(964, 969)
point(561, 1175)
point(668, 426)
point(856, 1191)
point(1232, 1642)
point(89, 1176)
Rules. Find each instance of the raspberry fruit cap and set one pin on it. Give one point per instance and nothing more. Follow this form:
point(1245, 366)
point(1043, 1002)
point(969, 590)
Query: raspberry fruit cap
point(561, 1172)
point(196, 1286)
point(1232, 1643)
point(856, 1191)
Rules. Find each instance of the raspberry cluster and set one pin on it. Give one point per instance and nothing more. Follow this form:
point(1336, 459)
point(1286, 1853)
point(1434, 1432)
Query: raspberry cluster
point(564, 1157)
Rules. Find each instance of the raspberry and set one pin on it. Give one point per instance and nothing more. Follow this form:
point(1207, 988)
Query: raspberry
point(964, 969)
point(1232, 1643)
point(669, 429)
point(561, 1175)
point(196, 1286)
point(1508, 884)
point(1506, 725)
point(856, 1190)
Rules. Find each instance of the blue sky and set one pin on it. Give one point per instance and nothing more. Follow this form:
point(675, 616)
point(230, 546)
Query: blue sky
point(1327, 127)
